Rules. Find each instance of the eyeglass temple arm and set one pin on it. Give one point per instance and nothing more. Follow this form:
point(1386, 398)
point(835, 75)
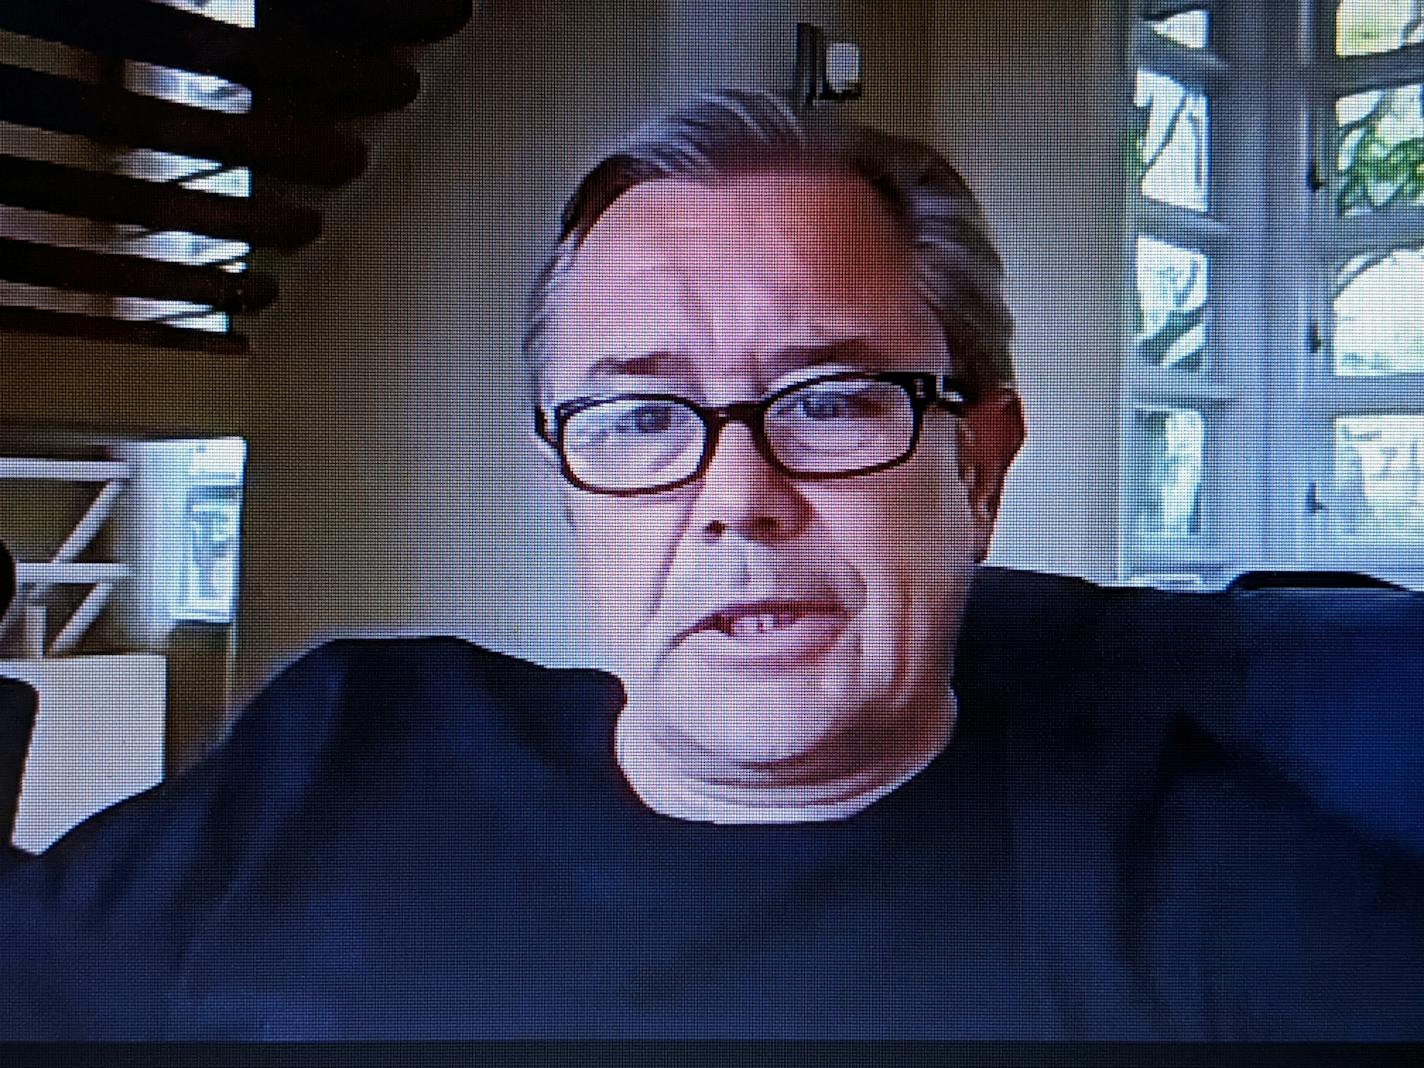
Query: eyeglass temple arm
point(953, 393)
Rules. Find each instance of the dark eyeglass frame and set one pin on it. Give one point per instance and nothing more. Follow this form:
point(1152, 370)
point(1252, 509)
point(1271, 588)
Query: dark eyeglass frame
point(923, 388)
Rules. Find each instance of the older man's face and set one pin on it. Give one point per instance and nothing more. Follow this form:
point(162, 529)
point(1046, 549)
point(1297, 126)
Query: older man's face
point(755, 618)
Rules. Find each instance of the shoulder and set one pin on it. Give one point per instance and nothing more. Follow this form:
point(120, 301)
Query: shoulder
point(378, 696)
point(1221, 792)
point(358, 744)
point(1320, 689)
point(351, 721)
point(1332, 698)
point(352, 673)
point(1086, 680)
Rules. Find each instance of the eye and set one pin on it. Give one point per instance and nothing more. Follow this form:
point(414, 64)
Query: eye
point(649, 418)
point(823, 404)
point(836, 402)
point(629, 421)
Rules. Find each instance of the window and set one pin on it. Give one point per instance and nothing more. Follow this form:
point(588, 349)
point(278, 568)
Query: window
point(54, 168)
point(176, 246)
point(1273, 400)
point(133, 132)
point(118, 540)
point(211, 507)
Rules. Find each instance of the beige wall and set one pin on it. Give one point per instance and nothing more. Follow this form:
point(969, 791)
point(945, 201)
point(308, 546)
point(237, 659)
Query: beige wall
point(389, 482)
point(422, 508)
point(1026, 103)
point(389, 470)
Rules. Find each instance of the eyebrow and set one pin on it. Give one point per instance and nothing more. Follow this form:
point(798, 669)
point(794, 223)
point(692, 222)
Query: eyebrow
point(855, 351)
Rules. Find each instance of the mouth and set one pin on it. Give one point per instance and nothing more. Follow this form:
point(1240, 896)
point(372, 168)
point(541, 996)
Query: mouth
point(767, 633)
point(757, 620)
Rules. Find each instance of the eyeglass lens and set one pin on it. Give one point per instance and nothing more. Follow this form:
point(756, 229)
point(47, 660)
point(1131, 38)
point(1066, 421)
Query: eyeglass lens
point(836, 426)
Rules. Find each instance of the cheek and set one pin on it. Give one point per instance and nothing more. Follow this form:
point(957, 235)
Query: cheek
point(912, 542)
point(621, 560)
point(947, 536)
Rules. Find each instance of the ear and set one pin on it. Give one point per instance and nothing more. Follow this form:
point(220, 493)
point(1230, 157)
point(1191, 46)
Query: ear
point(990, 435)
point(547, 471)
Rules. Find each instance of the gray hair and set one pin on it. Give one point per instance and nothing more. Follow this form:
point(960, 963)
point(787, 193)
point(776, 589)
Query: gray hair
point(735, 131)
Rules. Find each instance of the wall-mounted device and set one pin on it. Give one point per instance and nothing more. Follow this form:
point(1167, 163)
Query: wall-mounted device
point(824, 70)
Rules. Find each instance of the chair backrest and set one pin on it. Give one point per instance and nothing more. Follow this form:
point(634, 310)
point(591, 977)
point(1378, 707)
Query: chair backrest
point(7, 578)
point(18, 704)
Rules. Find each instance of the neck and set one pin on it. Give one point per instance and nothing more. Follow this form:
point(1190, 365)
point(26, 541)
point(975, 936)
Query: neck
point(691, 784)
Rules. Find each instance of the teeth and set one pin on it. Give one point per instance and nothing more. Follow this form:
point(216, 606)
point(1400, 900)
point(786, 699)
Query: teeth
point(759, 623)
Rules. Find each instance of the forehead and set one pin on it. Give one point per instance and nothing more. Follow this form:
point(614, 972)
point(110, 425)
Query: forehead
point(725, 272)
point(827, 218)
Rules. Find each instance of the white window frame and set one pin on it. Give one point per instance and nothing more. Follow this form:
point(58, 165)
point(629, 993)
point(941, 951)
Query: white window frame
point(1268, 393)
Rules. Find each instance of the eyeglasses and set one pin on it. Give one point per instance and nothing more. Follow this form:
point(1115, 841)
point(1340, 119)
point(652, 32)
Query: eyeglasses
point(835, 426)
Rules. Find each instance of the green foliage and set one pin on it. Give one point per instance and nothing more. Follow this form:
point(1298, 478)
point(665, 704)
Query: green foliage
point(1134, 149)
point(1159, 473)
point(1376, 170)
point(1368, 27)
point(1373, 172)
point(1178, 324)
point(1376, 174)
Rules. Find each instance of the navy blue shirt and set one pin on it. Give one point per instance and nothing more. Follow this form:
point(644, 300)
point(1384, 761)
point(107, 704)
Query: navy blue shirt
point(420, 838)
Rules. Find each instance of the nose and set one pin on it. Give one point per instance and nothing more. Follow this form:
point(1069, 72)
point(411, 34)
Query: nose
point(741, 493)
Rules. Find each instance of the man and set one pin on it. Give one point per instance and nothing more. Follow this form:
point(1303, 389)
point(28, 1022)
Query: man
point(771, 368)
point(780, 401)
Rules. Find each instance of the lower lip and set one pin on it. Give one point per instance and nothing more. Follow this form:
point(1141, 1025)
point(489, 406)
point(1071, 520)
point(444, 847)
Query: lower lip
point(792, 643)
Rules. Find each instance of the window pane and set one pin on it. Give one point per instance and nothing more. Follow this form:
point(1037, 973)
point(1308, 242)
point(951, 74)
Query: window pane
point(233, 12)
point(1169, 145)
point(1187, 28)
point(1379, 314)
point(1171, 305)
point(1363, 27)
point(1379, 476)
point(183, 87)
point(212, 505)
point(1164, 475)
point(1381, 160)
point(214, 94)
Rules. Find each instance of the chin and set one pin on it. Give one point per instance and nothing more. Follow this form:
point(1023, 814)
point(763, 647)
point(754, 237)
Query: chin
point(757, 723)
